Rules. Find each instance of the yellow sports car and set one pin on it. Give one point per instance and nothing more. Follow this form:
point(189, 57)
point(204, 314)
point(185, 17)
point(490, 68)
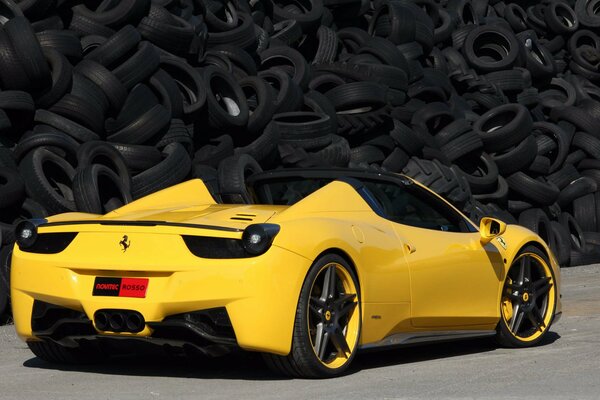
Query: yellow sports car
point(327, 262)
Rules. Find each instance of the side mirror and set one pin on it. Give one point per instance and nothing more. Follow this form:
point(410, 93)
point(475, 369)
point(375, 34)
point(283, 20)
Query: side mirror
point(489, 228)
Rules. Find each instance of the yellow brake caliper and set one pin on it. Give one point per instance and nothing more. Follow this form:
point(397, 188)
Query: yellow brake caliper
point(507, 305)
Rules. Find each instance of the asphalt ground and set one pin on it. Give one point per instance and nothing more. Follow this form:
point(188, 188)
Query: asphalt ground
point(565, 366)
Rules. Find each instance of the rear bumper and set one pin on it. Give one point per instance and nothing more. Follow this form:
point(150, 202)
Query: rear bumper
point(259, 296)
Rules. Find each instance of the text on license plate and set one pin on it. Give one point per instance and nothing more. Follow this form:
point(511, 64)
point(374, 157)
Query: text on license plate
point(120, 287)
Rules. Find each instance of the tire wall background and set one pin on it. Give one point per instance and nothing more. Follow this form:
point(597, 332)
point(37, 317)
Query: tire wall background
point(493, 104)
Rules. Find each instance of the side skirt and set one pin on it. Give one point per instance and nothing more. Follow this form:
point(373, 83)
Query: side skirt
point(409, 338)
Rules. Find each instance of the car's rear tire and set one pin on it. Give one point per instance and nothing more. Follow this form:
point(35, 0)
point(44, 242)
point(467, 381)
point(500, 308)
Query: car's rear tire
point(528, 300)
point(84, 353)
point(327, 324)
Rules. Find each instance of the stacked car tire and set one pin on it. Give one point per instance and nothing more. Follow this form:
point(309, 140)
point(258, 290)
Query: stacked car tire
point(493, 104)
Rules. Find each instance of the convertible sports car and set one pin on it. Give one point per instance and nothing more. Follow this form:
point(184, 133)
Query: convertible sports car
point(330, 262)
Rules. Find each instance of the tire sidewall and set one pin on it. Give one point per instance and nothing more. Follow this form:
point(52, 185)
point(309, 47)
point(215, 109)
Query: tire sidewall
point(301, 337)
point(505, 336)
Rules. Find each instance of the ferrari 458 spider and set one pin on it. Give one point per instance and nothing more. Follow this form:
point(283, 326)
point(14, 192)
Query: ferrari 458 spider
point(327, 262)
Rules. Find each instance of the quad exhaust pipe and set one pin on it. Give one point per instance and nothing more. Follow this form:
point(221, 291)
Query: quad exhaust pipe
point(119, 321)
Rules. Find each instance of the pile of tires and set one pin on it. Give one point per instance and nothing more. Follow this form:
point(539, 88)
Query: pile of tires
point(493, 104)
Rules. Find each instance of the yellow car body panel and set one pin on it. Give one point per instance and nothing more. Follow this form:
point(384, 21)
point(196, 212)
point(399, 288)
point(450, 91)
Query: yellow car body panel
point(404, 280)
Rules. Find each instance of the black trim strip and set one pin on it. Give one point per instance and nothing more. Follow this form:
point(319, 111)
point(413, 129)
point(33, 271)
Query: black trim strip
point(142, 223)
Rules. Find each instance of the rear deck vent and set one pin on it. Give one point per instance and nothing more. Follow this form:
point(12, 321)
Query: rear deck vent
point(243, 217)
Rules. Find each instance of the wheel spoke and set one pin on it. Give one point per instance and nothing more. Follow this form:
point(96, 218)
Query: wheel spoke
point(514, 297)
point(343, 299)
point(316, 307)
point(536, 318)
point(514, 287)
point(542, 286)
point(328, 283)
point(321, 340)
point(346, 309)
point(339, 341)
point(525, 271)
point(517, 318)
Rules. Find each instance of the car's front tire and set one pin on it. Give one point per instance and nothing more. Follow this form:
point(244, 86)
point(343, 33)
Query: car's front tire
point(327, 325)
point(528, 300)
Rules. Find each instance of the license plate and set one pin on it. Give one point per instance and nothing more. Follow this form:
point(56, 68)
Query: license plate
point(120, 287)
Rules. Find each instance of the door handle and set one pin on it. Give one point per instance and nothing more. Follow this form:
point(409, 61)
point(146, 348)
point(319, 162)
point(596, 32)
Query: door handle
point(410, 248)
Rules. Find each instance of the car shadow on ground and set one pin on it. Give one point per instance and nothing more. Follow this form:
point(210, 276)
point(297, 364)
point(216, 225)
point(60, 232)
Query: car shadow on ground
point(250, 366)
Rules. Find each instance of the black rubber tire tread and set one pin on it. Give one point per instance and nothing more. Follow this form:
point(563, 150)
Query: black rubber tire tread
point(308, 20)
point(55, 198)
point(28, 51)
point(387, 75)
point(117, 14)
point(116, 47)
point(221, 85)
point(562, 251)
point(560, 136)
point(90, 192)
point(98, 152)
point(174, 36)
point(12, 73)
point(233, 172)
point(65, 42)
point(590, 256)
point(301, 71)
point(263, 97)
point(462, 145)
point(140, 66)
point(481, 173)
point(518, 158)
point(564, 176)
point(543, 193)
point(407, 138)
point(308, 130)
point(588, 143)
point(504, 126)
point(579, 187)
point(191, 83)
point(499, 196)
point(328, 46)
point(510, 80)
point(263, 146)
point(578, 116)
point(5, 260)
point(138, 157)
point(62, 78)
point(46, 137)
point(151, 124)
point(289, 95)
point(113, 89)
point(170, 96)
point(243, 35)
point(76, 131)
point(357, 95)
point(439, 178)
point(482, 64)
point(536, 220)
point(578, 242)
point(80, 110)
point(177, 132)
point(301, 362)
point(12, 187)
point(240, 59)
point(173, 169)
point(585, 212)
